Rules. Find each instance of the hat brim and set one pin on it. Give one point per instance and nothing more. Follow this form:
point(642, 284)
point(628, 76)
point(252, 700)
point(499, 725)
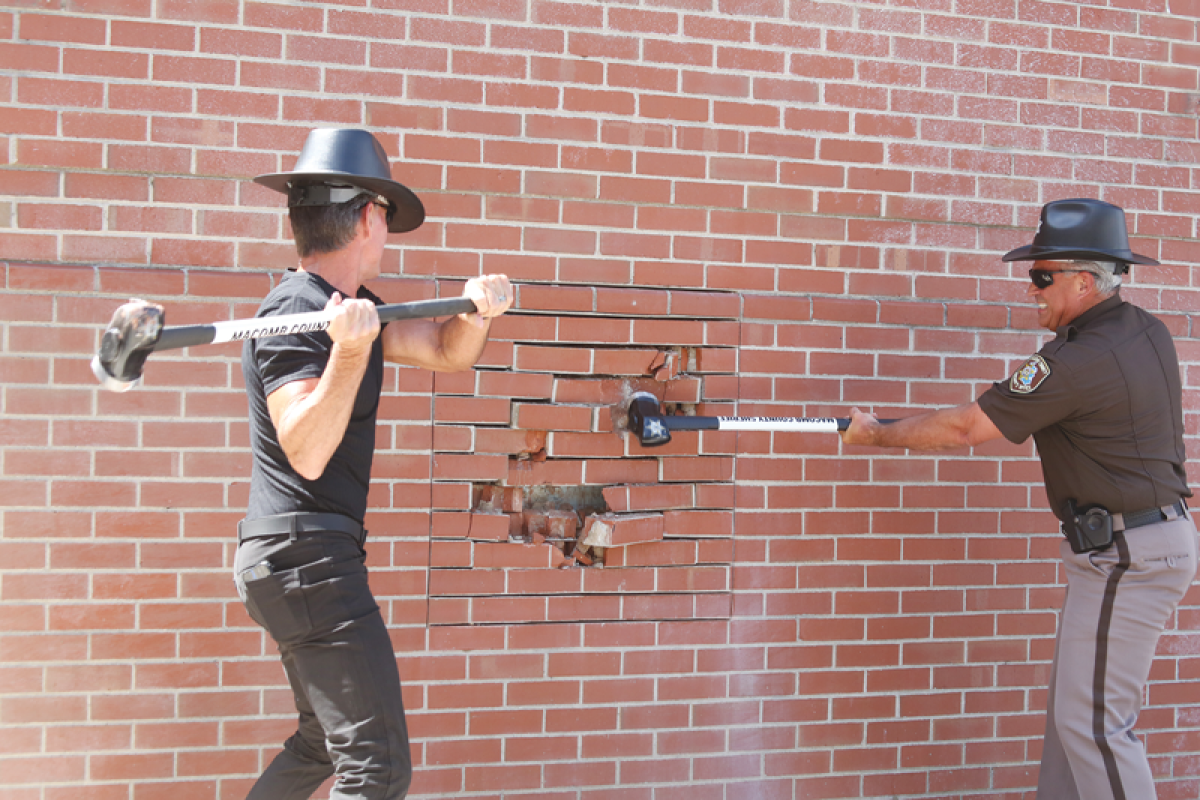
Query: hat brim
point(1031, 253)
point(410, 212)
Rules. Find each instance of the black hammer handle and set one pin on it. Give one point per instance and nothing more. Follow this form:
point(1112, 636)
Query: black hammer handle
point(237, 330)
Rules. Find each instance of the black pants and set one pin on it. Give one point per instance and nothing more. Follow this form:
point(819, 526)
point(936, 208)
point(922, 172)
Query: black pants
point(317, 607)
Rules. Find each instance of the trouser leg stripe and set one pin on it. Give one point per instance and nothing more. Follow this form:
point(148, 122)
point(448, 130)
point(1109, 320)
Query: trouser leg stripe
point(1101, 669)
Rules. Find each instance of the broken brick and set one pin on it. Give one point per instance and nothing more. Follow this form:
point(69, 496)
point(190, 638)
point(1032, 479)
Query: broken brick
point(660, 358)
point(616, 497)
point(551, 524)
point(508, 499)
point(620, 530)
point(537, 526)
point(488, 528)
point(653, 554)
point(563, 525)
point(669, 370)
point(597, 531)
point(516, 527)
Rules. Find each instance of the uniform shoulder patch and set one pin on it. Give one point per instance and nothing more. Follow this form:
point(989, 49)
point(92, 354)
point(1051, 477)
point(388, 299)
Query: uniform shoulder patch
point(1030, 375)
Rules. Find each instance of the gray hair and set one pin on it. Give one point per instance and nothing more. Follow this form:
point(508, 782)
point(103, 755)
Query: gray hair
point(1104, 272)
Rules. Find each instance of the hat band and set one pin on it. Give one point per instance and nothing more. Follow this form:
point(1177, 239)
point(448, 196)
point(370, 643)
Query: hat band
point(322, 194)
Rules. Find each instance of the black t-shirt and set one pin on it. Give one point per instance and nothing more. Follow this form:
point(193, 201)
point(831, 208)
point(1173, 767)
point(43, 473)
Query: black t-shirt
point(269, 363)
point(1103, 402)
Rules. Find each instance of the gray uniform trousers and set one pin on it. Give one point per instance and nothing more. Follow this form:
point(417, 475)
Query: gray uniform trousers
point(1118, 602)
point(341, 665)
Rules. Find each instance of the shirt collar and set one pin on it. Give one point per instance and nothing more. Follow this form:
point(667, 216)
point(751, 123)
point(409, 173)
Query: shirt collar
point(1096, 311)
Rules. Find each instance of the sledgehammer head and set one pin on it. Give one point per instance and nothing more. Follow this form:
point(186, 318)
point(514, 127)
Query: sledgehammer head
point(646, 420)
point(130, 337)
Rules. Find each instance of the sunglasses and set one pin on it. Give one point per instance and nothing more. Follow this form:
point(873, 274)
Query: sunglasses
point(387, 206)
point(1043, 278)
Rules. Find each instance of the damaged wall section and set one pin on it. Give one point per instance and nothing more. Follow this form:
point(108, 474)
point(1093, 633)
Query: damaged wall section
point(584, 524)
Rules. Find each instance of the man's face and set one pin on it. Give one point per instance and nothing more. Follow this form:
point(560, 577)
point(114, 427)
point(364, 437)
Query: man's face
point(1064, 299)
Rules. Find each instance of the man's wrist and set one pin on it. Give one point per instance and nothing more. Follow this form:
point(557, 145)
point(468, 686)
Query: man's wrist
point(351, 351)
point(475, 319)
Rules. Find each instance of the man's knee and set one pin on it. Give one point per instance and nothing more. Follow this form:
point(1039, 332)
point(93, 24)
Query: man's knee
point(308, 748)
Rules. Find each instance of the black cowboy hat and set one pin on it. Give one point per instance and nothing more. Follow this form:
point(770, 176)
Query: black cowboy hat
point(346, 157)
point(1080, 229)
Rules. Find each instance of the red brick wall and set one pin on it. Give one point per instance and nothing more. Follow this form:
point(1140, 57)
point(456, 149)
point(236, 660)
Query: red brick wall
point(742, 206)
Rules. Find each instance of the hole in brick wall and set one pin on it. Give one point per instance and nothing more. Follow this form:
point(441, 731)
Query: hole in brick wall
point(648, 540)
point(553, 515)
point(547, 553)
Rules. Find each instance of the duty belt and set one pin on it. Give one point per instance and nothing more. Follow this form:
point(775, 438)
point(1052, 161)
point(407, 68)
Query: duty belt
point(1136, 519)
point(297, 524)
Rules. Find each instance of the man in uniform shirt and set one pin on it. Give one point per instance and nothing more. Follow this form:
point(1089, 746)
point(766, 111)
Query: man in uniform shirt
point(1103, 402)
point(313, 402)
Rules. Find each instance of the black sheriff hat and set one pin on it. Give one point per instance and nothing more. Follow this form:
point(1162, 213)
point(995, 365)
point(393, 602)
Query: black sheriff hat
point(1082, 229)
point(346, 157)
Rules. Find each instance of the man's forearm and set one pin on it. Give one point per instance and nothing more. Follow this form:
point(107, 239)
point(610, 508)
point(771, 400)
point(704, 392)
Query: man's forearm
point(936, 430)
point(944, 429)
point(461, 341)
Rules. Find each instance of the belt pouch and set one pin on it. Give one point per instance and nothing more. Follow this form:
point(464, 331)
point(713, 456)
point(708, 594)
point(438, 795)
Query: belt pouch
point(1088, 529)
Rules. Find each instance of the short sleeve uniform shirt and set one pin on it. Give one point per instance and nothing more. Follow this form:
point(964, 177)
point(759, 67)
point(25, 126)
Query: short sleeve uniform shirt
point(1103, 402)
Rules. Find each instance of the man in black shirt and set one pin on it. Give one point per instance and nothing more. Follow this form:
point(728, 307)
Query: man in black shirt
point(313, 402)
point(1103, 401)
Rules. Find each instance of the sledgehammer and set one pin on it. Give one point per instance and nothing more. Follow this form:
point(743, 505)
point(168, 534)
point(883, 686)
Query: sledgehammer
point(136, 330)
point(652, 428)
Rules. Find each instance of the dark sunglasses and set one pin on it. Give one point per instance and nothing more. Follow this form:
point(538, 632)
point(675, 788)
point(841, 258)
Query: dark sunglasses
point(388, 206)
point(1043, 278)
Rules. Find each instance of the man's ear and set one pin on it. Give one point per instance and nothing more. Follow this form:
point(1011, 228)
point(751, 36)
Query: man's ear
point(1089, 284)
point(364, 218)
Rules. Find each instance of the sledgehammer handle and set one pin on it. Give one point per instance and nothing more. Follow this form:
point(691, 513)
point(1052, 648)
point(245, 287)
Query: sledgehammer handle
point(784, 424)
point(180, 336)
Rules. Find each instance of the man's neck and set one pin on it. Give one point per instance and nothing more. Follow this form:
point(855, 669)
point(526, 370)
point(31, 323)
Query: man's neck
point(339, 269)
point(1089, 304)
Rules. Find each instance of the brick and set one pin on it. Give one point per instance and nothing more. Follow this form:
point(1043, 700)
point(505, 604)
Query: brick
point(551, 524)
point(651, 497)
point(619, 530)
point(506, 556)
point(493, 527)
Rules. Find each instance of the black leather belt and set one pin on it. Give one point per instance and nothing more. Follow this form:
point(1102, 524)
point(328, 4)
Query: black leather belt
point(1136, 519)
point(294, 525)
